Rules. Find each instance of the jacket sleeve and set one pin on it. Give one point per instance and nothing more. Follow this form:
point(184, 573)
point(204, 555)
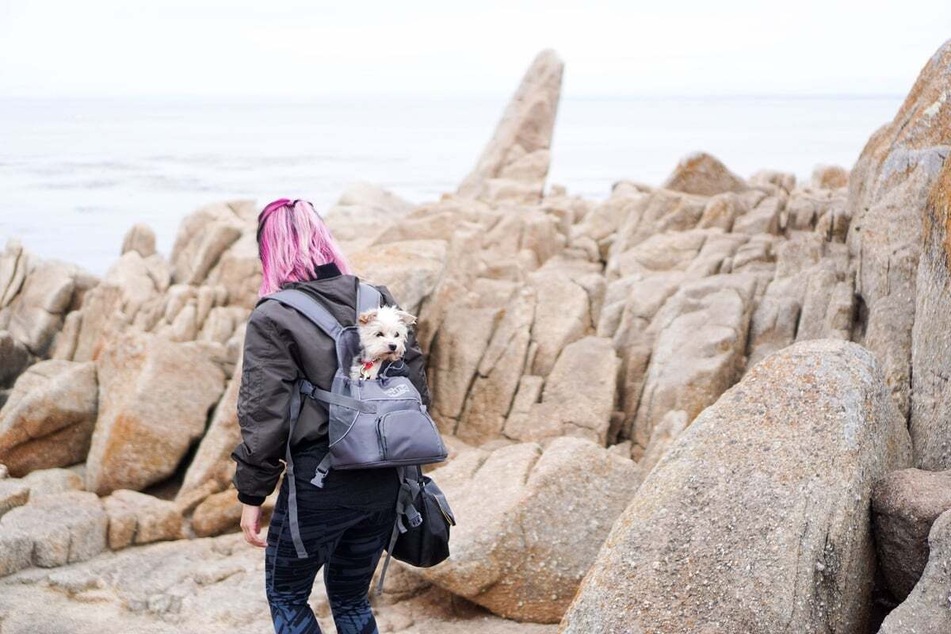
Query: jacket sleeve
point(413, 357)
point(268, 376)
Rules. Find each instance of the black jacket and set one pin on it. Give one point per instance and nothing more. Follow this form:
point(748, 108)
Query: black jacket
point(279, 346)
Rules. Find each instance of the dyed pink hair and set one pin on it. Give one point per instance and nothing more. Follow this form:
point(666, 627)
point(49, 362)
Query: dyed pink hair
point(292, 242)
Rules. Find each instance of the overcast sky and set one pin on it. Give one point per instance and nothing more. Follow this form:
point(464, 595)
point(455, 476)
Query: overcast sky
point(306, 48)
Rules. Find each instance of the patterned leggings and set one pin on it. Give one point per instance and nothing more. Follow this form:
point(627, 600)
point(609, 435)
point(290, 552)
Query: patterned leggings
point(347, 543)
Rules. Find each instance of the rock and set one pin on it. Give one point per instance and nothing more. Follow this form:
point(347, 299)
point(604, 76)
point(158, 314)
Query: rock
point(783, 181)
point(577, 399)
point(65, 341)
point(925, 611)
point(664, 434)
point(98, 315)
point(217, 514)
point(49, 417)
point(222, 323)
point(137, 518)
point(830, 177)
point(888, 188)
point(212, 461)
point(364, 212)
point(562, 316)
point(904, 506)
point(410, 270)
point(64, 528)
point(16, 551)
point(721, 212)
point(930, 336)
point(15, 262)
point(699, 350)
point(515, 162)
point(14, 358)
point(523, 554)
point(52, 481)
point(756, 520)
point(499, 372)
point(13, 493)
point(705, 175)
point(188, 585)
point(36, 313)
point(138, 279)
point(456, 352)
point(141, 239)
point(765, 217)
point(203, 237)
point(238, 271)
point(155, 396)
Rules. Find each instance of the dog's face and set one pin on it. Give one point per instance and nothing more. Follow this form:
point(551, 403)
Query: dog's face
point(383, 332)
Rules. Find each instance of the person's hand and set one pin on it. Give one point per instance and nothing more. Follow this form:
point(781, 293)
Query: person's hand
point(251, 525)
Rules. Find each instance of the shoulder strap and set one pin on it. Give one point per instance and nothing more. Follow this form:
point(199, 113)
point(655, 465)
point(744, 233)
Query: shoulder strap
point(368, 298)
point(311, 308)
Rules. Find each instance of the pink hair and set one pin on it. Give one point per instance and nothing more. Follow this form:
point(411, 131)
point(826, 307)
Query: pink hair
point(292, 242)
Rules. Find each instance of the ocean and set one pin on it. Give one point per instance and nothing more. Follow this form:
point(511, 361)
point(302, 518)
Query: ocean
point(76, 174)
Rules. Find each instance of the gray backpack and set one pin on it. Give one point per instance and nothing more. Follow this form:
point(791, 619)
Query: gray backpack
point(380, 422)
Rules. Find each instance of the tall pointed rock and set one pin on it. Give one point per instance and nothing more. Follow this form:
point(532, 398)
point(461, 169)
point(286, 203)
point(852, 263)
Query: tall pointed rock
point(514, 165)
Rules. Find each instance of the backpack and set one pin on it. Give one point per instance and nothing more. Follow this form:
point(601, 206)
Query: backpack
point(372, 423)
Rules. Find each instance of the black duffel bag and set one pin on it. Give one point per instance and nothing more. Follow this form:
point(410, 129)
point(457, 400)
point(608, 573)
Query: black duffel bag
point(422, 540)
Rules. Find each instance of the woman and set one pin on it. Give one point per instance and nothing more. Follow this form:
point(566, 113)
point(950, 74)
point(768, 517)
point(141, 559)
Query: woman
point(345, 524)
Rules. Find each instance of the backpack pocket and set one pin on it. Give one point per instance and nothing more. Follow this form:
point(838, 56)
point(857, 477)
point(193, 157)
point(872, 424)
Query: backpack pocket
point(410, 437)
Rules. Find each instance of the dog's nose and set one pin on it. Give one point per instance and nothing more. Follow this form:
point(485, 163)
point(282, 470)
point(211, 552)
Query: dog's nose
point(392, 347)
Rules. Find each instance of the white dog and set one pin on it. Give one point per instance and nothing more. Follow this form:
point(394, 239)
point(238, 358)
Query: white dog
point(383, 332)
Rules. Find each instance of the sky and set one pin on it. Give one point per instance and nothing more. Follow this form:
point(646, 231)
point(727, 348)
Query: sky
point(309, 48)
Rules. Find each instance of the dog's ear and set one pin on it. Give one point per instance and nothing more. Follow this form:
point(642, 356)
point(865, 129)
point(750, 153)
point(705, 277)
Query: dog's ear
point(367, 316)
point(405, 317)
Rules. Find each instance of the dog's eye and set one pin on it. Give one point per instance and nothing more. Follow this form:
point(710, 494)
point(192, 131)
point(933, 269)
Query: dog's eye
point(379, 334)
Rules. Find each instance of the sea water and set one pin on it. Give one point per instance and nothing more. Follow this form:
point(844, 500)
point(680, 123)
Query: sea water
point(75, 175)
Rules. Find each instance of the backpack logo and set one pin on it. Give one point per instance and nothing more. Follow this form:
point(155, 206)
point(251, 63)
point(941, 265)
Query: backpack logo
point(398, 390)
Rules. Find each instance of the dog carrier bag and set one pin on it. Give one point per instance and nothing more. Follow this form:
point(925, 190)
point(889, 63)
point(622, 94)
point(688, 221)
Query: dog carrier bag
point(372, 423)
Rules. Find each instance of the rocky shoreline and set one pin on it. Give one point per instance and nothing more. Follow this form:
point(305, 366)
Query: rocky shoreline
point(717, 405)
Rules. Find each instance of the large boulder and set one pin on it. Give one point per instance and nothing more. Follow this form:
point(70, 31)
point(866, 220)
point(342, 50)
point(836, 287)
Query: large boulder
point(515, 162)
point(930, 335)
point(888, 189)
point(756, 519)
point(905, 504)
point(705, 175)
point(212, 462)
point(59, 529)
point(363, 212)
point(699, 351)
point(13, 493)
point(925, 611)
point(15, 263)
point(204, 235)
point(410, 269)
point(48, 419)
point(14, 358)
point(575, 399)
point(529, 523)
point(137, 518)
point(155, 397)
point(36, 313)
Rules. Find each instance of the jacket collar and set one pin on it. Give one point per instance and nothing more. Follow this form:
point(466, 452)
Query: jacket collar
point(323, 271)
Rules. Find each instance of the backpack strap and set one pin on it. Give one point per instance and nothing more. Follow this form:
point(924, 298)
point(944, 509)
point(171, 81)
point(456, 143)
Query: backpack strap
point(311, 308)
point(368, 298)
point(411, 477)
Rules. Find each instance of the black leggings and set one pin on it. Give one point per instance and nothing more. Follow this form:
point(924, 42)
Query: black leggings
point(346, 542)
